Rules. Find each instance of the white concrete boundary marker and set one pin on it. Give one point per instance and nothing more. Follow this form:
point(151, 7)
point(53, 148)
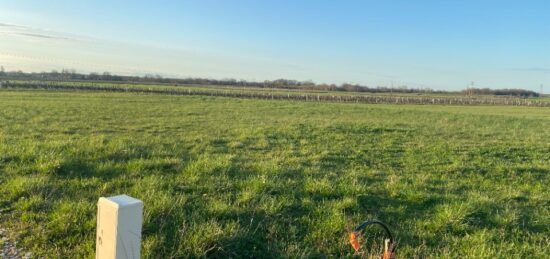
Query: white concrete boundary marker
point(119, 220)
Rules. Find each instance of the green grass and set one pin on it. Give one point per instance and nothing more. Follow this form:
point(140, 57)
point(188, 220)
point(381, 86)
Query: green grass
point(247, 178)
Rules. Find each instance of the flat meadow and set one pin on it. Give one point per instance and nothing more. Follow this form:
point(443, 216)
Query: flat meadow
point(227, 177)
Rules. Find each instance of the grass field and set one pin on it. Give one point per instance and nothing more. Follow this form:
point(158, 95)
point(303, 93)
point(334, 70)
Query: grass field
point(253, 178)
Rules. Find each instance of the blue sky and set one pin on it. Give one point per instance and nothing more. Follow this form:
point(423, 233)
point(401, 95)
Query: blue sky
point(436, 44)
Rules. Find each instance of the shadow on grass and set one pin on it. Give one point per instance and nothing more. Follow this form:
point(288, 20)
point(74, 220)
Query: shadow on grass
point(77, 168)
point(193, 228)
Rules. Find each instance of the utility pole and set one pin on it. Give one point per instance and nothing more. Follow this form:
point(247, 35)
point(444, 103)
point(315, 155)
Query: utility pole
point(541, 89)
point(470, 88)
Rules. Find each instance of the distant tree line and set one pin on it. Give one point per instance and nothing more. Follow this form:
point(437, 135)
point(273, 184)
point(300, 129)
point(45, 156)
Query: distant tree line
point(506, 92)
point(71, 74)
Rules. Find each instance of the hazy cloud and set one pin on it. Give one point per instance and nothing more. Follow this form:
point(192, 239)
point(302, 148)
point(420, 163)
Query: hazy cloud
point(43, 36)
point(533, 69)
point(19, 30)
point(9, 25)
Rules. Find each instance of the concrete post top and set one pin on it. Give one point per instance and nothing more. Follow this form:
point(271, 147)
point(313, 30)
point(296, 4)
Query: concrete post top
point(118, 234)
point(122, 201)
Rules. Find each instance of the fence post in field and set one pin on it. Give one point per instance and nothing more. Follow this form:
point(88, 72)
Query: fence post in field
point(119, 220)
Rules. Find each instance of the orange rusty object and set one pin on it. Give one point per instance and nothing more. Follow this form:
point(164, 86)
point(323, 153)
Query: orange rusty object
point(354, 242)
point(389, 250)
point(388, 255)
point(389, 246)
